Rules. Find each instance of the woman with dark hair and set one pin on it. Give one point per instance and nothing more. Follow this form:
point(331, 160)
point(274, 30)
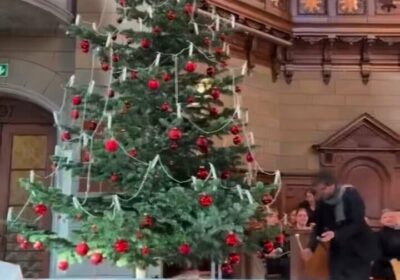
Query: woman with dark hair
point(309, 204)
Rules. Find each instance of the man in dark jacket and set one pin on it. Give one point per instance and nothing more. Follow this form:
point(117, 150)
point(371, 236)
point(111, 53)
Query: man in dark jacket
point(340, 220)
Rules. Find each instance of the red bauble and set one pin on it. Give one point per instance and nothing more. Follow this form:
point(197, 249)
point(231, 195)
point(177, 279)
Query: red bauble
point(24, 245)
point(188, 9)
point(156, 30)
point(222, 37)
point(134, 74)
point(121, 246)
point(210, 71)
point(202, 173)
point(280, 239)
point(215, 93)
point(235, 129)
point(115, 57)
point(40, 209)
point(213, 112)
point(268, 246)
point(76, 100)
point(190, 66)
point(38, 245)
point(133, 152)
point(226, 268)
point(171, 15)
point(205, 200)
point(20, 238)
point(202, 144)
point(147, 221)
point(267, 199)
point(166, 107)
point(110, 93)
point(85, 46)
point(224, 64)
point(145, 43)
point(145, 251)
point(74, 114)
point(231, 239)
point(114, 37)
point(111, 145)
point(65, 136)
point(120, 20)
point(238, 89)
point(153, 84)
point(237, 140)
point(114, 178)
point(249, 157)
point(105, 66)
point(82, 249)
point(174, 134)
point(122, 2)
point(190, 99)
point(206, 41)
point(218, 51)
point(96, 258)
point(184, 249)
point(63, 265)
point(225, 174)
point(234, 258)
point(90, 125)
point(166, 77)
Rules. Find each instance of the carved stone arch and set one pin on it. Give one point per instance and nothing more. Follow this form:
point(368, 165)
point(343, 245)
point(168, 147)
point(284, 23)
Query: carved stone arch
point(371, 178)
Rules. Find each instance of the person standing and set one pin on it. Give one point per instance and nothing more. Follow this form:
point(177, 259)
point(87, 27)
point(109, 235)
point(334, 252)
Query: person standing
point(310, 204)
point(339, 219)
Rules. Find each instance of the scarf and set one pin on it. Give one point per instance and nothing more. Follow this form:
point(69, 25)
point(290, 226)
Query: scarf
point(337, 201)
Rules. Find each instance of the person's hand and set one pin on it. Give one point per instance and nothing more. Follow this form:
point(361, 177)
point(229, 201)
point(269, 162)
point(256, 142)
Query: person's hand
point(327, 236)
point(306, 254)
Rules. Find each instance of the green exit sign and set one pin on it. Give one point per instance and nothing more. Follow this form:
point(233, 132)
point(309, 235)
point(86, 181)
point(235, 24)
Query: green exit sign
point(3, 70)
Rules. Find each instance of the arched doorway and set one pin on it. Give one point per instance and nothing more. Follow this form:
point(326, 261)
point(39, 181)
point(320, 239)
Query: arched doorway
point(27, 139)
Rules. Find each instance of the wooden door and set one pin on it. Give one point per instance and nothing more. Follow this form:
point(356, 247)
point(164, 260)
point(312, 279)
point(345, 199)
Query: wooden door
point(24, 146)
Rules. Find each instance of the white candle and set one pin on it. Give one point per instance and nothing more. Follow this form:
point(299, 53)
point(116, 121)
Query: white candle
point(233, 21)
point(94, 26)
point(32, 176)
point(178, 110)
point(217, 23)
point(191, 49)
point(246, 117)
point(78, 19)
point(158, 57)
point(109, 120)
point(71, 81)
point(196, 29)
point(228, 50)
point(10, 213)
point(238, 112)
point(251, 136)
point(124, 73)
point(150, 10)
point(91, 86)
point(109, 39)
point(244, 68)
point(55, 116)
point(140, 24)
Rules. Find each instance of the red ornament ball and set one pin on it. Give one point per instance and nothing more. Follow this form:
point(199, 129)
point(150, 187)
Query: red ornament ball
point(213, 112)
point(190, 99)
point(122, 2)
point(238, 89)
point(63, 265)
point(111, 145)
point(110, 93)
point(184, 249)
point(202, 173)
point(226, 269)
point(215, 93)
point(153, 84)
point(249, 157)
point(114, 178)
point(40, 209)
point(218, 51)
point(76, 100)
point(231, 239)
point(96, 258)
point(105, 66)
point(166, 107)
point(267, 199)
point(20, 238)
point(147, 221)
point(24, 245)
point(145, 43)
point(156, 30)
point(174, 134)
point(82, 249)
point(132, 152)
point(90, 125)
point(280, 239)
point(166, 77)
point(134, 74)
point(190, 66)
point(210, 71)
point(74, 114)
point(202, 143)
point(38, 245)
point(225, 174)
point(65, 136)
point(268, 246)
point(188, 9)
point(234, 258)
point(85, 46)
point(121, 246)
point(235, 129)
point(115, 57)
point(237, 140)
point(145, 251)
point(206, 41)
point(205, 200)
point(171, 15)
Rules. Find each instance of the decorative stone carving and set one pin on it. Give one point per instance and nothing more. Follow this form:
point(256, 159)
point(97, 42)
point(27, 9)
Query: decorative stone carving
point(387, 5)
point(351, 7)
point(316, 7)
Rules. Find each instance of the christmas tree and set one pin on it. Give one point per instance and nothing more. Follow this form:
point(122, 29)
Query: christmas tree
point(175, 191)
